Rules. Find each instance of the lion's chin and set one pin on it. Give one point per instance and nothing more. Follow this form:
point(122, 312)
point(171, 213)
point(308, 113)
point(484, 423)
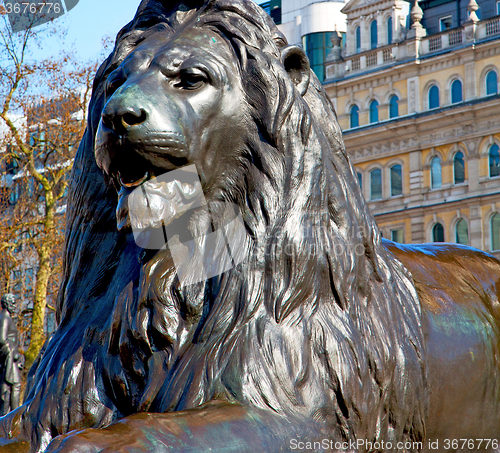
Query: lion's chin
point(156, 203)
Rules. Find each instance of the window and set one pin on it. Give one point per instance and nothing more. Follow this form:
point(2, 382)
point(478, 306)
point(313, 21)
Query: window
point(19, 247)
point(459, 168)
point(498, 8)
point(461, 232)
point(397, 236)
point(495, 231)
point(494, 161)
point(376, 184)
point(374, 112)
point(17, 277)
point(360, 179)
point(456, 91)
point(29, 278)
point(437, 233)
point(393, 106)
point(433, 97)
point(275, 12)
point(24, 243)
point(436, 180)
point(11, 163)
point(33, 138)
point(445, 23)
point(50, 323)
point(389, 30)
point(317, 46)
point(273, 8)
point(373, 34)
point(14, 193)
point(396, 180)
point(491, 82)
point(358, 39)
point(354, 115)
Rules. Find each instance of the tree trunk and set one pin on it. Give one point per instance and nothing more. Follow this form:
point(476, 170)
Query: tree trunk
point(42, 281)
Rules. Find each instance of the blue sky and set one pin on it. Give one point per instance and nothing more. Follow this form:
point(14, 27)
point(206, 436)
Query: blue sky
point(91, 20)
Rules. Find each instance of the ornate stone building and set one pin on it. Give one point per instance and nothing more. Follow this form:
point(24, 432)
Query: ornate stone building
point(419, 106)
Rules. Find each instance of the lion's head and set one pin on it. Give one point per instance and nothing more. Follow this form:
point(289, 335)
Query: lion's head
point(312, 323)
point(174, 102)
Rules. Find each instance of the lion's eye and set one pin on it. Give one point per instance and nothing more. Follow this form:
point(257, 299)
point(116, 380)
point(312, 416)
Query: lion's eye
point(190, 79)
point(115, 81)
point(113, 85)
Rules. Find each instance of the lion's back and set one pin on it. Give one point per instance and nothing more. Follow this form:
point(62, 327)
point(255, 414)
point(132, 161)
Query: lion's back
point(447, 274)
point(459, 290)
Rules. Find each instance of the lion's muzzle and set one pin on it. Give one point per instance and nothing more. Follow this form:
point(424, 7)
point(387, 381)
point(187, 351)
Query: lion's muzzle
point(135, 141)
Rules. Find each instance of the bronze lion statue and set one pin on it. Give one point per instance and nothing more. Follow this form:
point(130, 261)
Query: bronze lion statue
point(320, 336)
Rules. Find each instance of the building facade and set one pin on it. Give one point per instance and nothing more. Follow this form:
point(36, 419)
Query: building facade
point(416, 92)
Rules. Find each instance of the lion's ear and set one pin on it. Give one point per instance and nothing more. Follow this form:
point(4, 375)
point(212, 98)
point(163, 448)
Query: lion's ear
point(297, 65)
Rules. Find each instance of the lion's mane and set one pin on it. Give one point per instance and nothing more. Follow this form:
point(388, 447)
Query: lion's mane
point(319, 322)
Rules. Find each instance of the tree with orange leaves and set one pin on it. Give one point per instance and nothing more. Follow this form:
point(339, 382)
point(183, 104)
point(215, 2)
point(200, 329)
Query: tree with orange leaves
point(43, 107)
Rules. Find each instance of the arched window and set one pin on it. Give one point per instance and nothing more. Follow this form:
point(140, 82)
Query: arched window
point(433, 97)
point(373, 34)
point(396, 180)
point(374, 112)
point(437, 233)
point(354, 115)
point(459, 167)
point(495, 231)
point(491, 82)
point(461, 232)
point(436, 179)
point(358, 39)
point(393, 106)
point(494, 160)
point(456, 91)
point(376, 184)
point(389, 30)
point(360, 179)
point(14, 193)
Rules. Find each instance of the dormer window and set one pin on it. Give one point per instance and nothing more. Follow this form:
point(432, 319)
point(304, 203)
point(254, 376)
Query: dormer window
point(445, 23)
point(389, 30)
point(358, 39)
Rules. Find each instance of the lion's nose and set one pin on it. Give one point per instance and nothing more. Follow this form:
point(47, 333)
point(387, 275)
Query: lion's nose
point(122, 119)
